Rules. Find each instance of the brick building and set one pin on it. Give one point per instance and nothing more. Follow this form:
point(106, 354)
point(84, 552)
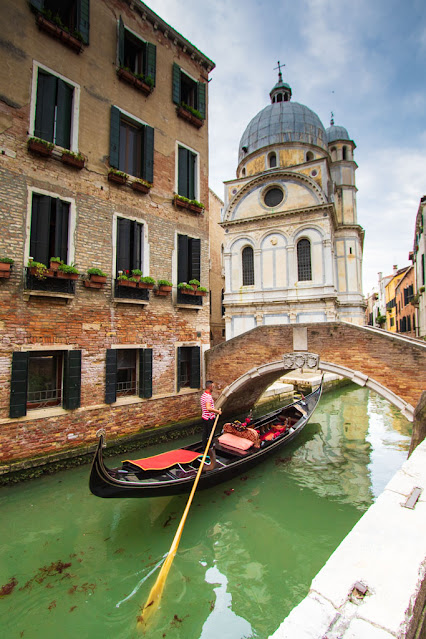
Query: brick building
point(390, 297)
point(217, 271)
point(118, 99)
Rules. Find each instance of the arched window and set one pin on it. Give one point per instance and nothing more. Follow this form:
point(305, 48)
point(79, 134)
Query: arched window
point(344, 153)
point(248, 266)
point(304, 267)
point(272, 160)
point(279, 97)
point(243, 172)
point(309, 156)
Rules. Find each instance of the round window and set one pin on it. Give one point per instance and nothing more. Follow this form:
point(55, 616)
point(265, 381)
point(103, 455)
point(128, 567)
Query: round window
point(273, 196)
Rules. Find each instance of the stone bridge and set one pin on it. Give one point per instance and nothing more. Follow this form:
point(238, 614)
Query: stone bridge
point(390, 364)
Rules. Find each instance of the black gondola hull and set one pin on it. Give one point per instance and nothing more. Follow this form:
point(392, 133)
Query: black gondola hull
point(105, 482)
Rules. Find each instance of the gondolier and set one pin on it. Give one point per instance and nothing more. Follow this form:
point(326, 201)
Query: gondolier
point(208, 412)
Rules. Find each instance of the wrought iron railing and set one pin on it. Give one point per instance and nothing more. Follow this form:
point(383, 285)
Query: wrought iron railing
point(184, 298)
point(130, 293)
point(43, 398)
point(49, 283)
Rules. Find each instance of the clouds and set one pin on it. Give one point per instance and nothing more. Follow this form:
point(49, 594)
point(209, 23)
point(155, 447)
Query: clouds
point(362, 60)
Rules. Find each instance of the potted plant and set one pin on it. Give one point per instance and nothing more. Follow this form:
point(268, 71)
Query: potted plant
point(141, 186)
point(118, 177)
point(163, 287)
point(68, 272)
point(54, 26)
point(196, 206)
point(181, 202)
point(38, 269)
point(136, 274)
point(96, 275)
point(194, 283)
point(146, 282)
point(76, 160)
point(144, 83)
point(191, 115)
point(40, 147)
point(124, 280)
point(201, 290)
point(55, 262)
point(186, 289)
point(5, 266)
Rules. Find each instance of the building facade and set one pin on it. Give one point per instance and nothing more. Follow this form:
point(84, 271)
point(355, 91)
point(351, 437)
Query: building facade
point(293, 248)
point(419, 259)
point(103, 165)
point(217, 272)
point(405, 309)
point(390, 297)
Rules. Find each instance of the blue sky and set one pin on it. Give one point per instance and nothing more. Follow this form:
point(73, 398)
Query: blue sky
point(364, 60)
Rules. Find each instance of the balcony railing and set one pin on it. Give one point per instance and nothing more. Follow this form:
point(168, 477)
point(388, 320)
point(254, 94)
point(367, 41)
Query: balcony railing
point(193, 300)
point(130, 293)
point(49, 284)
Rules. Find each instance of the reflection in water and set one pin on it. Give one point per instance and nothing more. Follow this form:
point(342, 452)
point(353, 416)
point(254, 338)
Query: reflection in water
point(222, 622)
point(247, 556)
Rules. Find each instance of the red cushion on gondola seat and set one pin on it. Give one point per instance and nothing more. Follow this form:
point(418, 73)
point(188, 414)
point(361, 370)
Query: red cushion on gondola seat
point(236, 442)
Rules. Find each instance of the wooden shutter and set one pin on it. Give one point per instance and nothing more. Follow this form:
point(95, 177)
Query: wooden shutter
point(83, 19)
point(176, 83)
point(114, 140)
point(195, 257)
point(64, 114)
point(192, 160)
point(201, 98)
point(111, 376)
point(45, 106)
point(145, 373)
point(151, 60)
point(183, 270)
point(72, 380)
point(135, 246)
point(123, 244)
point(178, 364)
point(195, 367)
point(18, 385)
point(61, 230)
point(40, 228)
point(120, 42)
point(183, 171)
point(148, 154)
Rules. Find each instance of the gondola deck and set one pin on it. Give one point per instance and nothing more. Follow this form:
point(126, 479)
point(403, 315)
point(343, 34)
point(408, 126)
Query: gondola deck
point(227, 462)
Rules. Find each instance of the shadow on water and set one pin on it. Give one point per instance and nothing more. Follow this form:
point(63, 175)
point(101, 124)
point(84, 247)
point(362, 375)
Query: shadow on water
point(74, 565)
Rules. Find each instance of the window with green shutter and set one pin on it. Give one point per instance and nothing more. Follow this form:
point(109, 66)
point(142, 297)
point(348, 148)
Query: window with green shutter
point(131, 146)
point(136, 55)
point(72, 15)
point(188, 92)
point(49, 233)
point(54, 109)
point(130, 236)
point(128, 372)
point(188, 367)
point(187, 173)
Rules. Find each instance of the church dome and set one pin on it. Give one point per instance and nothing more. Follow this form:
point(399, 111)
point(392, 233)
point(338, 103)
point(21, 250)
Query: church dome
point(282, 122)
point(336, 133)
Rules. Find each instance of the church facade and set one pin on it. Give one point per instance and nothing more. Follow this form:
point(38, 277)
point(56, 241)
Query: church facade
point(293, 246)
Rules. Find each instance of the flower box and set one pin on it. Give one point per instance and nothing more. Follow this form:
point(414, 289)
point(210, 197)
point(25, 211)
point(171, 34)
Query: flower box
point(66, 276)
point(162, 291)
point(59, 33)
point(98, 279)
point(72, 160)
point(116, 178)
point(4, 267)
point(40, 148)
point(128, 283)
point(91, 284)
point(143, 86)
point(140, 187)
point(189, 117)
point(202, 293)
point(127, 76)
point(195, 209)
point(182, 204)
point(145, 285)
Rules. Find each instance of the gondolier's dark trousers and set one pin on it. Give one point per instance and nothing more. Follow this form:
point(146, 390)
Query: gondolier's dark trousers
point(207, 428)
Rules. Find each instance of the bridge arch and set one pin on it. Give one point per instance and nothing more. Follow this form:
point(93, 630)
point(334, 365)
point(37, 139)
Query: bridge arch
point(391, 365)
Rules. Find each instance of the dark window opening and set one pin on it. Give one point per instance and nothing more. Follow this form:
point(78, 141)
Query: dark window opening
point(304, 268)
point(49, 228)
point(126, 372)
point(344, 153)
point(350, 250)
point(272, 158)
point(279, 97)
point(187, 173)
point(309, 156)
point(54, 107)
point(248, 266)
point(44, 380)
point(273, 197)
point(188, 367)
point(134, 54)
point(188, 91)
point(129, 245)
point(65, 11)
point(131, 146)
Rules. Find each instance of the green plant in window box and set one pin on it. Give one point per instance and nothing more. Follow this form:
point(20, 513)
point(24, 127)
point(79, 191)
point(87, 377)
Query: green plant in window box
point(41, 147)
point(117, 176)
point(186, 289)
point(55, 263)
point(96, 275)
point(68, 271)
point(141, 185)
point(76, 160)
point(7, 260)
point(137, 273)
point(164, 283)
point(203, 289)
point(193, 111)
point(197, 204)
point(147, 282)
point(181, 201)
point(194, 283)
point(38, 269)
point(5, 266)
point(163, 288)
point(96, 271)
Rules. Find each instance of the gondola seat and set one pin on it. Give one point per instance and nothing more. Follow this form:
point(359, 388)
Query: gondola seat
point(240, 443)
point(245, 433)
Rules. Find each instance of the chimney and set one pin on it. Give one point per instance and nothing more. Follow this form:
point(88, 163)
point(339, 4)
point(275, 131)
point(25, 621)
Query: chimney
point(395, 269)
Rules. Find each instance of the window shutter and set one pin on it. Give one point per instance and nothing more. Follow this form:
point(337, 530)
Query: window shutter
point(114, 140)
point(183, 171)
point(183, 258)
point(148, 153)
point(45, 106)
point(72, 380)
point(18, 385)
point(195, 367)
point(40, 228)
point(195, 254)
point(123, 244)
point(83, 19)
point(176, 84)
point(61, 230)
point(151, 60)
point(120, 42)
point(111, 376)
point(201, 98)
point(145, 373)
point(179, 359)
point(135, 246)
point(192, 158)
point(63, 115)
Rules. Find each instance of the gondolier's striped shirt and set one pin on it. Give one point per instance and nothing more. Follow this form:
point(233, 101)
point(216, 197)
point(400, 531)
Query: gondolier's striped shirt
point(206, 414)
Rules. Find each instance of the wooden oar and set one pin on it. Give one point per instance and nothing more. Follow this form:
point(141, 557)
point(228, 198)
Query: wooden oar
point(157, 589)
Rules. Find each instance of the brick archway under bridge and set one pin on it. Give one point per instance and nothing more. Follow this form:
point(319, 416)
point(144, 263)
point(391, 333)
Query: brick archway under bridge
point(390, 364)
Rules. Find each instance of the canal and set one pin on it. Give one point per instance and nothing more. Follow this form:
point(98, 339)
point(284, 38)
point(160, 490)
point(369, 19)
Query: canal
point(73, 565)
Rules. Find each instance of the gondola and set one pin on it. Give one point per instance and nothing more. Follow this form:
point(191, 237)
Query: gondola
point(230, 455)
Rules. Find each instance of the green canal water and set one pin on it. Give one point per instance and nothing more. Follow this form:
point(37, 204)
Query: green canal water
point(75, 566)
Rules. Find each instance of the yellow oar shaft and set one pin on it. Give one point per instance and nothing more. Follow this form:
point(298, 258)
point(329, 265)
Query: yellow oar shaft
point(157, 589)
